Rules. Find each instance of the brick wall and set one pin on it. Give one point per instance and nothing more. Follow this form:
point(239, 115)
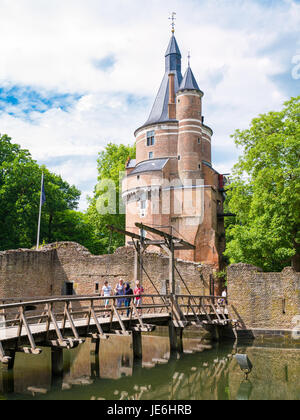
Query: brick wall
point(263, 300)
point(44, 273)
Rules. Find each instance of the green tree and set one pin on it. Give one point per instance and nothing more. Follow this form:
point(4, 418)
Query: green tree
point(265, 193)
point(111, 165)
point(20, 183)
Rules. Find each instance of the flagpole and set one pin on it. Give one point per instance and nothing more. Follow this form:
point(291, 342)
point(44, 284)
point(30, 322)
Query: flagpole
point(40, 214)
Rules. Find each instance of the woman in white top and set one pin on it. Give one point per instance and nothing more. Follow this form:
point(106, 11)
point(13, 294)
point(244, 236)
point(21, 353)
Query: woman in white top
point(106, 292)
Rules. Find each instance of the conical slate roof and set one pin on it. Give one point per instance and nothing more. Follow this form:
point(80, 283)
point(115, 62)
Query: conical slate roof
point(189, 81)
point(173, 47)
point(159, 112)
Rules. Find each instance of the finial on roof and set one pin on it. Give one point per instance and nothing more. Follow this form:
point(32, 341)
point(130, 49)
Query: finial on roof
point(173, 18)
point(189, 59)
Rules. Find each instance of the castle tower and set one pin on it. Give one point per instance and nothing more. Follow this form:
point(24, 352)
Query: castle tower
point(189, 116)
point(173, 159)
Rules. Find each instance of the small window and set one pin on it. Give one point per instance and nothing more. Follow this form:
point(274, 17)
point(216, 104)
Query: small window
point(138, 177)
point(96, 287)
point(199, 141)
point(150, 138)
point(179, 157)
point(151, 155)
point(199, 166)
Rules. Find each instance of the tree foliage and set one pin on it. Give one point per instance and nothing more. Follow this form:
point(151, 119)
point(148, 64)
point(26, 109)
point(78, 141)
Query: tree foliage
point(20, 185)
point(265, 193)
point(111, 166)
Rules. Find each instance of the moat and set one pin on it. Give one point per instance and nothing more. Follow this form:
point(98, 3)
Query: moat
point(206, 371)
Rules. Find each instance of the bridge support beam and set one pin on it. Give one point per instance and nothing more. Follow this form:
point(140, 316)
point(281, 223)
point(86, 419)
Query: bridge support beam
point(137, 345)
point(176, 339)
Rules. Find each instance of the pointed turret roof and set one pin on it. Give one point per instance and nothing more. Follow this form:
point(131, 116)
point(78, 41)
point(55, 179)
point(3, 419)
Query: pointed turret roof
point(173, 47)
point(159, 112)
point(189, 82)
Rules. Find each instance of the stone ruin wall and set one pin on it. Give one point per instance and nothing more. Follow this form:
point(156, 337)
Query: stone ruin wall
point(29, 273)
point(257, 300)
point(26, 273)
point(264, 300)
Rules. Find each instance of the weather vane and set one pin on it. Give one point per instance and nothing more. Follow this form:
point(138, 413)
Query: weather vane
point(173, 18)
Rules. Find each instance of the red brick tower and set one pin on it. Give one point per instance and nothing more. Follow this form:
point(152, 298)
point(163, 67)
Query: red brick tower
point(172, 185)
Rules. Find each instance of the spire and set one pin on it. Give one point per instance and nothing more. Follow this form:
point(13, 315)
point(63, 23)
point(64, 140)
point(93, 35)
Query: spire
point(189, 81)
point(173, 56)
point(159, 112)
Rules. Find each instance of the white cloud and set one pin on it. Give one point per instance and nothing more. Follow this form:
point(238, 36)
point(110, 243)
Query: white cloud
point(237, 46)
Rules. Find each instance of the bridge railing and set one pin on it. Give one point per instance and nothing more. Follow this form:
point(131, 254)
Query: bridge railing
point(51, 317)
point(39, 310)
point(213, 308)
point(62, 309)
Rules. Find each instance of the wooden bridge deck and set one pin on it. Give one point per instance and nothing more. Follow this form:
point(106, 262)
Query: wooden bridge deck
point(65, 322)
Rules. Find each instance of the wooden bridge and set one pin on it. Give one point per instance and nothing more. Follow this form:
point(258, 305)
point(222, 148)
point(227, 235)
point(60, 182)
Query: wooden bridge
point(65, 322)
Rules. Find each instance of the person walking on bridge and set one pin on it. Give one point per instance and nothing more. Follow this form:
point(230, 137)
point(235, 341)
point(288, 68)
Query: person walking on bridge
point(120, 291)
point(128, 292)
point(138, 291)
point(106, 292)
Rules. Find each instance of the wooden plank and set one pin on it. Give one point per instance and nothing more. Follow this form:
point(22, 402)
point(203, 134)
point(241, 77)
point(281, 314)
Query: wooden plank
point(120, 320)
point(99, 328)
point(165, 235)
point(27, 328)
point(124, 232)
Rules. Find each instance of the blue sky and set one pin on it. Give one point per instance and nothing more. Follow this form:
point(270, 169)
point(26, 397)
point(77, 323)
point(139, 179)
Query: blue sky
point(75, 75)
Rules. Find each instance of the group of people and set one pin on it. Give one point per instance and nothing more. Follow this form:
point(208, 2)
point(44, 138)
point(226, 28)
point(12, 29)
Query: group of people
point(125, 291)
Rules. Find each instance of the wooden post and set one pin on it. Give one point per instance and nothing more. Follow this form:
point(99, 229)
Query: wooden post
point(172, 269)
point(176, 338)
point(137, 345)
point(215, 333)
point(95, 361)
point(57, 365)
point(138, 263)
point(10, 360)
point(95, 345)
point(8, 382)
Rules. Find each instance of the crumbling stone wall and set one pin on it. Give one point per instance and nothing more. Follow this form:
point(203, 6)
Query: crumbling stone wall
point(263, 300)
point(85, 270)
point(26, 273)
point(29, 273)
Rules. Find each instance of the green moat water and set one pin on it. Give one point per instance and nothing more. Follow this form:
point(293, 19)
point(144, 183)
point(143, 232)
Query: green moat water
point(211, 373)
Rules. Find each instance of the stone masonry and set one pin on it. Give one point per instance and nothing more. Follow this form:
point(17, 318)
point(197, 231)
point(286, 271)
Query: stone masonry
point(264, 300)
point(27, 273)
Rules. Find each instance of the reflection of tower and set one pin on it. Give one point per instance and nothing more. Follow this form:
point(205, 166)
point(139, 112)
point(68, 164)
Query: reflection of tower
point(173, 156)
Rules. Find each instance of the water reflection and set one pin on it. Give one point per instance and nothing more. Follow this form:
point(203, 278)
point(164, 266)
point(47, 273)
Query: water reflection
point(202, 372)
